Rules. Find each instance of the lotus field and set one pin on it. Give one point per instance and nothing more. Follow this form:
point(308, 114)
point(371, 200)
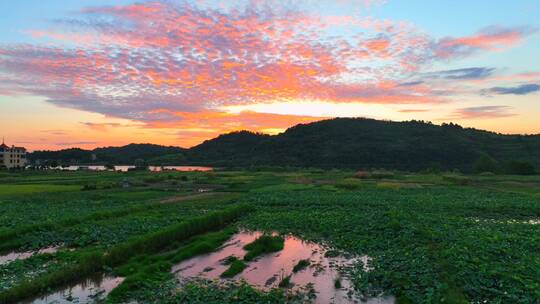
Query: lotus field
point(281, 236)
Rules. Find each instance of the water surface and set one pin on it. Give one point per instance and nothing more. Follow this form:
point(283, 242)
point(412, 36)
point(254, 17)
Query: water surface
point(13, 256)
point(126, 168)
point(179, 168)
point(88, 291)
point(267, 271)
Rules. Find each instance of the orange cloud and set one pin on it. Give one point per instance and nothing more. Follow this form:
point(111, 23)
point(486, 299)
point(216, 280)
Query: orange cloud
point(482, 112)
point(166, 65)
point(184, 58)
point(194, 128)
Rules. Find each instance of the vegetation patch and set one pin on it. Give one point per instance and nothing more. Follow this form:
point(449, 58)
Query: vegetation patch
point(106, 228)
point(93, 262)
point(145, 273)
point(235, 267)
point(422, 244)
point(302, 264)
point(204, 292)
point(331, 253)
point(337, 283)
point(228, 260)
point(13, 190)
point(458, 180)
point(459, 238)
point(262, 245)
point(285, 282)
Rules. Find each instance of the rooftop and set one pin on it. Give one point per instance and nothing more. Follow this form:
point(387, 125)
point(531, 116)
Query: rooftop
point(4, 147)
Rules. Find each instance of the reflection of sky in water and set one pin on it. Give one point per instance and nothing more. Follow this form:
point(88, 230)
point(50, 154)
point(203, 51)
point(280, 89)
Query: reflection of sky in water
point(267, 271)
point(126, 168)
point(87, 291)
point(12, 256)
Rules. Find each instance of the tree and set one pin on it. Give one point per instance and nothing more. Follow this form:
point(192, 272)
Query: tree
point(520, 168)
point(485, 164)
point(140, 163)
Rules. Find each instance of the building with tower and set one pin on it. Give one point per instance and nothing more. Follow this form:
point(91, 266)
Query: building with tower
point(12, 157)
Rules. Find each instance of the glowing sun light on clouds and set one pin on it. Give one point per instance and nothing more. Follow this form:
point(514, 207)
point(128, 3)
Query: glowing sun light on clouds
point(205, 70)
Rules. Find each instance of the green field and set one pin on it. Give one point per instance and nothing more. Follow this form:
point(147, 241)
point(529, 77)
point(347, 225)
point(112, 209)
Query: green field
point(432, 238)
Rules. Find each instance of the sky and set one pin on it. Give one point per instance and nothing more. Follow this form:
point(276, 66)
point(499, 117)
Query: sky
point(107, 73)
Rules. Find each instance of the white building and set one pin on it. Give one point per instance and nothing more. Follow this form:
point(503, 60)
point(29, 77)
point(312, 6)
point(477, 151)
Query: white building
point(12, 157)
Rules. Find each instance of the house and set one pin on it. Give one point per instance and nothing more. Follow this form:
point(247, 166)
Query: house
point(12, 157)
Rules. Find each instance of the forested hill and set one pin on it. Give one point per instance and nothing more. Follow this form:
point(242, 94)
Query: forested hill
point(368, 143)
point(125, 155)
point(355, 143)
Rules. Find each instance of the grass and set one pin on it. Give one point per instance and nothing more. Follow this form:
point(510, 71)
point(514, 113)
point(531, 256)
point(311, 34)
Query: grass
point(337, 283)
point(159, 240)
point(226, 293)
point(424, 242)
point(93, 262)
point(262, 245)
point(145, 273)
point(331, 253)
point(107, 228)
point(285, 282)
point(45, 207)
point(228, 260)
point(431, 238)
point(13, 190)
point(47, 226)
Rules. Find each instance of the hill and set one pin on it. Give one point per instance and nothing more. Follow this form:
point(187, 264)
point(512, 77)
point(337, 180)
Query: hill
point(368, 143)
point(355, 143)
point(118, 155)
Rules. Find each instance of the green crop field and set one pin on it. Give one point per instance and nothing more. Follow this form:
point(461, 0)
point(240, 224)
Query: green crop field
point(430, 238)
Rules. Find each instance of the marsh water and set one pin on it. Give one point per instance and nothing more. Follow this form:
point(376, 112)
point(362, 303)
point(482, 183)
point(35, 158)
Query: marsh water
point(127, 168)
point(179, 168)
point(267, 271)
point(13, 256)
point(87, 291)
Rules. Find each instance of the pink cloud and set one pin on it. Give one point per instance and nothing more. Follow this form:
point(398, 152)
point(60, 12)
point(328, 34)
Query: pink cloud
point(492, 38)
point(188, 59)
point(482, 112)
point(184, 58)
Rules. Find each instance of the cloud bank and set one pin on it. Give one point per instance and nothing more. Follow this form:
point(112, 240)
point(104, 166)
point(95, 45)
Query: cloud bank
point(523, 89)
point(168, 64)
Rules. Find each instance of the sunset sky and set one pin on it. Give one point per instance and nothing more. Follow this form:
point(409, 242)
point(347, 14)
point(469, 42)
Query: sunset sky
point(100, 73)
